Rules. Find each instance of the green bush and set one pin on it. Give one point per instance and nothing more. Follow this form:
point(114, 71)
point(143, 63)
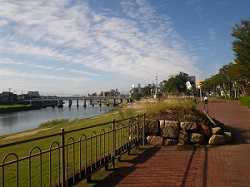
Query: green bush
point(245, 100)
point(53, 123)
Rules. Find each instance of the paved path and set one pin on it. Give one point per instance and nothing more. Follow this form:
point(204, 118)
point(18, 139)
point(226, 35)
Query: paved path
point(227, 165)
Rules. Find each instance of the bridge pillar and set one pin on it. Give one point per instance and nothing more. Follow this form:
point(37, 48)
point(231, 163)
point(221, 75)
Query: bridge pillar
point(77, 103)
point(84, 103)
point(91, 102)
point(114, 103)
point(121, 100)
point(60, 103)
point(70, 103)
point(100, 102)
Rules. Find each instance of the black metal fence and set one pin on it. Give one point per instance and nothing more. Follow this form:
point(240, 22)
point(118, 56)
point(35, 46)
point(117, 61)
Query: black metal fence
point(68, 157)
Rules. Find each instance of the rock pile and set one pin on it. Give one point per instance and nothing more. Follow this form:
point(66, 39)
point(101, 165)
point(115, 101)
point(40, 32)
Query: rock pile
point(168, 132)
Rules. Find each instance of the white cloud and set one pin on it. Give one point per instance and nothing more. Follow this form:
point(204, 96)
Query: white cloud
point(7, 72)
point(60, 35)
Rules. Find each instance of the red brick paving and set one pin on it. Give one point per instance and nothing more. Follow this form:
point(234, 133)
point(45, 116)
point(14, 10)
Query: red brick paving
point(201, 166)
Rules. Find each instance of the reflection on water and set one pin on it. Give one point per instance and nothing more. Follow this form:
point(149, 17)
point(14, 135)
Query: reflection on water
point(20, 121)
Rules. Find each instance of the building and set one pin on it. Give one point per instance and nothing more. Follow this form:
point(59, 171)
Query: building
point(8, 98)
point(33, 94)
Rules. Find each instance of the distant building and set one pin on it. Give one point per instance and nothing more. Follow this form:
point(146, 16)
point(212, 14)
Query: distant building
point(138, 86)
point(32, 94)
point(8, 98)
point(111, 93)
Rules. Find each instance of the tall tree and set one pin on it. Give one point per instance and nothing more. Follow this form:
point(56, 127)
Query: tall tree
point(175, 85)
point(241, 48)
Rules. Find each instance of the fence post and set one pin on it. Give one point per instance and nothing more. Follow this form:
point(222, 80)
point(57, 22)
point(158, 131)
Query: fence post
point(63, 157)
point(137, 133)
point(143, 129)
point(113, 143)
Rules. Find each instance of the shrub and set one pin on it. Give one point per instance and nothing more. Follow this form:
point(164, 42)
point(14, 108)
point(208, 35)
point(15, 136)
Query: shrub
point(53, 123)
point(162, 107)
point(245, 100)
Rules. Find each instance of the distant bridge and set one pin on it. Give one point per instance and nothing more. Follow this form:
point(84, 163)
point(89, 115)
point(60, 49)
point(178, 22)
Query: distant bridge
point(59, 101)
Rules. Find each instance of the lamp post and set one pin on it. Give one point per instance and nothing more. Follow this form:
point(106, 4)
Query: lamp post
point(200, 91)
point(155, 85)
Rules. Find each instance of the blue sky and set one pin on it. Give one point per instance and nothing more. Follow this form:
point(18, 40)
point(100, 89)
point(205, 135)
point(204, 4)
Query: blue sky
point(68, 47)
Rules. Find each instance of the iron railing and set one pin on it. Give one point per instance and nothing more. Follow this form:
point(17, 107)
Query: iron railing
point(68, 157)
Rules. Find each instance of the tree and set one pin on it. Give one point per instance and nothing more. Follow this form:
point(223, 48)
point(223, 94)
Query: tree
point(146, 91)
point(174, 85)
point(241, 48)
point(112, 92)
point(135, 93)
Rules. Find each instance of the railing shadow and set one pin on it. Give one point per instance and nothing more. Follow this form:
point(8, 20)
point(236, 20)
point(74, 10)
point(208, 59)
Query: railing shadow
point(120, 173)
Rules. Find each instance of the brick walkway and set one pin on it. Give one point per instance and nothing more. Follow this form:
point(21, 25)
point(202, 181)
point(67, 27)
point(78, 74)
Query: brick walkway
point(227, 165)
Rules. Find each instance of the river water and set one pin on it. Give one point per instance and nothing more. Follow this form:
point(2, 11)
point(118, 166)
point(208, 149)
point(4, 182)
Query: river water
point(20, 121)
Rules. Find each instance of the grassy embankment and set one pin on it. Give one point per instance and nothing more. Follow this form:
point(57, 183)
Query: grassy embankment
point(245, 100)
point(150, 107)
point(16, 108)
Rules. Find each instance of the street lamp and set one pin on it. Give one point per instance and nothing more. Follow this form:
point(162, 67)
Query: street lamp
point(200, 91)
point(155, 85)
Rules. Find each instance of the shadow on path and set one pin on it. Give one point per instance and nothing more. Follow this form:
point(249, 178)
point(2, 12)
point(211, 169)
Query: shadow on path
point(122, 172)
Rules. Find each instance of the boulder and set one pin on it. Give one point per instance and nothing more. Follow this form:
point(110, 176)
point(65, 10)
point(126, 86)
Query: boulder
point(204, 129)
point(152, 128)
point(170, 142)
point(189, 126)
point(228, 136)
point(155, 140)
point(169, 129)
point(183, 137)
point(217, 130)
point(196, 138)
point(217, 139)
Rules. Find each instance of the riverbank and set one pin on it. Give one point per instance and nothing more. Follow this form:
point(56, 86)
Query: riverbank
point(17, 108)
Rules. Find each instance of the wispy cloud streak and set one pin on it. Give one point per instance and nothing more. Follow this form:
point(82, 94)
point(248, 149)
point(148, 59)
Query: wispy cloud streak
point(64, 35)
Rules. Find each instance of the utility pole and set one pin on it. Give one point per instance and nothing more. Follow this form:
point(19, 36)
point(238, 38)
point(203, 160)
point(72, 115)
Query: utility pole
point(9, 96)
point(155, 85)
point(200, 91)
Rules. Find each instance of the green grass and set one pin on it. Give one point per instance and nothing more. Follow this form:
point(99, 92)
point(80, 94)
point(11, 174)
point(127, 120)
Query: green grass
point(245, 100)
point(53, 123)
point(14, 106)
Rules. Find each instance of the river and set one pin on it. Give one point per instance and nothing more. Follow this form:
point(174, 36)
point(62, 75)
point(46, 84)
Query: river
point(20, 121)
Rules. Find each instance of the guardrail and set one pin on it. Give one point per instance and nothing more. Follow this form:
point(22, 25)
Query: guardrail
point(68, 157)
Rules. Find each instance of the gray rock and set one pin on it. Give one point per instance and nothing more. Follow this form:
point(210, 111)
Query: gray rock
point(183, 137)
point(152, 128)
point(205, 130)
point(217, 139)
point(217, 130)
point(196, 138)
point(170, 142)
point(228, 136)
point(169, 129)
point(189, 126)
point(155, 140)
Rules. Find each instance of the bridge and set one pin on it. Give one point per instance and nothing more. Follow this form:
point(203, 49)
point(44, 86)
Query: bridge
point(59, 101)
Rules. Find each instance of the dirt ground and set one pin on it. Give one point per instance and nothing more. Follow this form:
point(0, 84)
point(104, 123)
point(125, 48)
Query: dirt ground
point(24, 134)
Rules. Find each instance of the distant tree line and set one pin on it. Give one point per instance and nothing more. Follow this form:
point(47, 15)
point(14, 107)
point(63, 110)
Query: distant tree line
point(174, 85)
